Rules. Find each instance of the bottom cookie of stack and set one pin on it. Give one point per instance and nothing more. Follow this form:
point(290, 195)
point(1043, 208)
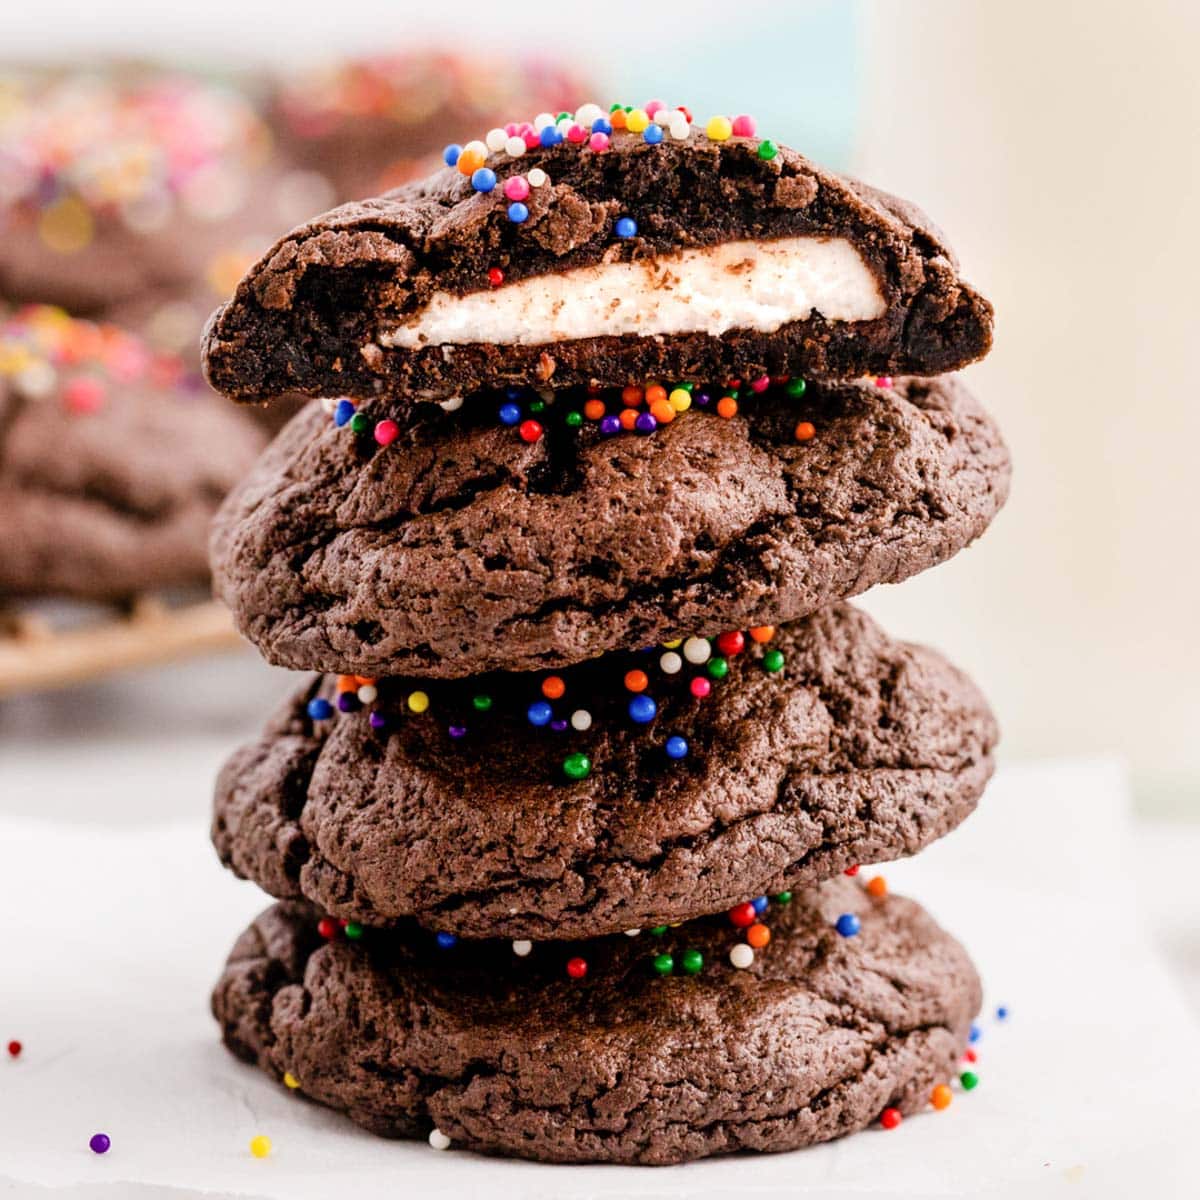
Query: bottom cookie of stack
point(674, 1044)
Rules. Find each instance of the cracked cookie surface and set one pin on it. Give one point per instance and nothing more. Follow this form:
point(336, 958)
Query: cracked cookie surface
point(460, 548)
point(508, 1055)
point(859, 749)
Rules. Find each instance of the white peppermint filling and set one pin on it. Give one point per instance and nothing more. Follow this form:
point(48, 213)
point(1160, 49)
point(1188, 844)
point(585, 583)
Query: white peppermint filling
point(733, 285)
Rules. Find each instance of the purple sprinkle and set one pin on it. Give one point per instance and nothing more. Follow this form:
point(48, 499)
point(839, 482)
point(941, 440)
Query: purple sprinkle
point(99, 1143)
point(348, 702)
point(378, 720)
point(457, 731)
point(646, 423)
point(702, 399)
point(610, 425)
point(558, 725)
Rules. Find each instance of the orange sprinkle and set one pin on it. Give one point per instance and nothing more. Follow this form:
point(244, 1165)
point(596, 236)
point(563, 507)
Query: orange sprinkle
point(877, 886)
point(941, 1097)
point(758, 936)
point(631, 396)
point(553, 687)
point(762, 633)
point(727, 407)
point(663, 412)
point(655, 392)
point(637, 681)
point(347, 683)
point(628, 418)
point(593, 410)
point(469, 161)
point(616, 118)
point(804, 431)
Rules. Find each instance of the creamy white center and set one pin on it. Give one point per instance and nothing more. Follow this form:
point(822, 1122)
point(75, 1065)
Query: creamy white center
point(734, 285)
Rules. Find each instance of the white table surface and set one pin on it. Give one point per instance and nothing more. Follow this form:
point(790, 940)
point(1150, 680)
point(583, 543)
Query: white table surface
point(117, 918)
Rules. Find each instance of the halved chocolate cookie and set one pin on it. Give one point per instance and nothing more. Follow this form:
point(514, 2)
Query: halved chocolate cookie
point(568, 255)
point(655, 1049)
point(636, 789)
point(462, 547)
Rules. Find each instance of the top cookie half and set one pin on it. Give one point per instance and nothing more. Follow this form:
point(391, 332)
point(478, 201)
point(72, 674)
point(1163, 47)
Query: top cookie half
point(604, 248)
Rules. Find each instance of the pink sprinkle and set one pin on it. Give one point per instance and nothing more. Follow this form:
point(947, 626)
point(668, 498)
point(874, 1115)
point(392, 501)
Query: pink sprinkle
point(598, 142)
point(83, 395)
point(760, 384)
point(653, 107)
point(700, 687)
point(386, 432)
point(576, 134)
point(511, 128)
point(744, 126)
point(516, 187)
point(884, 381)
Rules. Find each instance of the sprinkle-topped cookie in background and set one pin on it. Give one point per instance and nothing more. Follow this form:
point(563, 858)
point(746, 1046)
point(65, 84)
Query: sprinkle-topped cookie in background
point(112, 461)
point(604, 247)
point(369, 124)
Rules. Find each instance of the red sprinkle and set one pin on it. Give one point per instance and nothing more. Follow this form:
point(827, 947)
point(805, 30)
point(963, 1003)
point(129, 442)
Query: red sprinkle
point(386, 432)
point(576, 967)
point(890, 1118)
point(743, 915)
point(530, 431)
point(851, 870)
point(495, 276)
point(731, 643)
point(14, 1049)
point(83, 395)
point(327, 929)
point(969, 1055)
point(700, 687)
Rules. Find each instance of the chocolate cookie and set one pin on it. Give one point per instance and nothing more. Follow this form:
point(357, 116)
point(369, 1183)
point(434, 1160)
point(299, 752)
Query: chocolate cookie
point(111, 463)
point(654, 1049)
point(636, 789)
point(597, 257)
point(462, 547)
point(368, 124)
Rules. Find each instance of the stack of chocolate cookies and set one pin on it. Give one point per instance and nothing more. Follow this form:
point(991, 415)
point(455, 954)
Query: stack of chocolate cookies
point(566, 835)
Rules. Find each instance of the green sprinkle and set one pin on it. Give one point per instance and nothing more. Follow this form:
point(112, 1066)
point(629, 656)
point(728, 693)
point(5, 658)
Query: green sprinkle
point(783, 898)
point(664, 964)
point(359, 423)
point(658, 930)
point(561, 115)
point(693, 962)
point(796, 387)
point(613, 107)
point(537, 406)
point(718, 667)
point(969, 1080)
point(353, 930)
point(687, 387)
point(577, 766)
point(773, 661)
point(574, 418)
point(767, 150)
point(482, 702)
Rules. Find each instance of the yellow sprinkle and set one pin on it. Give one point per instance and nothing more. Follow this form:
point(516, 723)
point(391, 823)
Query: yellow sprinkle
point(637, 121)
point(289, 1080)
point(674, 644)
point(66, 226)
point(680, 399)
point(418, 702)
point(260, 1145)
point(719, 129)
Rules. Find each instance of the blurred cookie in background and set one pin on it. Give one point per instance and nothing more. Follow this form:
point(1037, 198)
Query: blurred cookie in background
point(369, 124)
point(113, 460)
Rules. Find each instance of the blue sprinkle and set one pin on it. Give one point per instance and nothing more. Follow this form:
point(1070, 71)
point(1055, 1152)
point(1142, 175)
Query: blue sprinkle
point(320, 710)
point(976, 1032)
point(517, 212)
point(642, 709)
point(600, 125)
point(653, 134)
point(514, 393)
point(539, 713)
point(446, 940)
point(343, 412)
point(451, 153)
point(510, 414)
point(848, 925)
point(1002, 1013)
point(550, 136)
point(677, 747)
point(760, 904)
point(483, 180)
point(626, 227)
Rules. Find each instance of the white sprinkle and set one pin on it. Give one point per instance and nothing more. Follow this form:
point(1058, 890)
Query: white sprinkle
point(671, 663)
point(495, 140)
point(542, 120)
point(451, 405)
point(588, 114)
point(537, 177)
point(438, 1140)
point(564, 124)
point(697, 650)
point(680, 127)
point(367, 694)
point(515, 147)
point(477, 146)
point(632, 932)
point(328, 403)
point(665, 116)
point(37, 380)
point(741, 956)
point(581, 720)
point(521, 947)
